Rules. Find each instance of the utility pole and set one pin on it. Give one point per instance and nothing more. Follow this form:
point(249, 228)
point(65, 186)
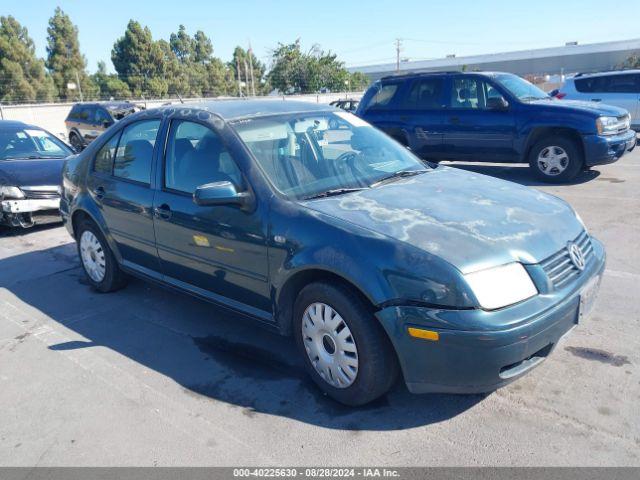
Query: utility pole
point(250, 55)
point(246, 74)
point(398, 49)
point(79, 87)
point(238, 73)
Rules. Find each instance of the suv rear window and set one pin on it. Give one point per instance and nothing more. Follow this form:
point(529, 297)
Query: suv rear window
point(620, 83)
point(383, 96)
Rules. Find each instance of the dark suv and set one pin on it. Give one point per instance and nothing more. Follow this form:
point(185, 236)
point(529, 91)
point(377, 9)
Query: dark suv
point(496, 117)
point(88, 120)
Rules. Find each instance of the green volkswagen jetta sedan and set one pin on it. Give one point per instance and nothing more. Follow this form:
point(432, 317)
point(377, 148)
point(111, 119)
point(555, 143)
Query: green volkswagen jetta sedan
point(315, 224)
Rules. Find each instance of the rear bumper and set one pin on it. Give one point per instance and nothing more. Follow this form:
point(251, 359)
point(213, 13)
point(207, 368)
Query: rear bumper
point(600, 149)
point(511, 342)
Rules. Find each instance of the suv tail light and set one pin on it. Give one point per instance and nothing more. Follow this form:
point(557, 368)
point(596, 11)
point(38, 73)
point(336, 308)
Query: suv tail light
point(560, 95)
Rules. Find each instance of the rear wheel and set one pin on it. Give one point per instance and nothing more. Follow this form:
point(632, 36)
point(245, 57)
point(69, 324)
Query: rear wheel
point(98, 261)
point(556, 159)
point(345, 350)
point(75, 142)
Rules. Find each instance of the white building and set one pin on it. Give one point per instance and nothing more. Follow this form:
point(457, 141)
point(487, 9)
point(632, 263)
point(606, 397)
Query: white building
point(542, 62)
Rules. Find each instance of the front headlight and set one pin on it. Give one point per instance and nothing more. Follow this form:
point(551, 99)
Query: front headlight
point(612, 125)
point(501, 286)
point(10, 192)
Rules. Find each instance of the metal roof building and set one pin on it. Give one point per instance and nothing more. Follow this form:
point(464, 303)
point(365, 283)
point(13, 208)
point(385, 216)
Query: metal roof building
point(568, 59)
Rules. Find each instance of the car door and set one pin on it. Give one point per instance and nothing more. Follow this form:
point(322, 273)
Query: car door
point(422, 108)
point(216, 251)
point(473, 130)
point(121, 185)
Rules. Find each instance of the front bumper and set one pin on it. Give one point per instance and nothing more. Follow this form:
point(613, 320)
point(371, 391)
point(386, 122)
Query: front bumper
point(506, 344)
point(29, 205)
point(602, 149)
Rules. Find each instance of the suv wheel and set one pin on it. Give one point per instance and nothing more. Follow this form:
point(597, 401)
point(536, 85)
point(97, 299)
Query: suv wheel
point(345, 350)
point(556, 159)
point(98, 262)
point(75, 142)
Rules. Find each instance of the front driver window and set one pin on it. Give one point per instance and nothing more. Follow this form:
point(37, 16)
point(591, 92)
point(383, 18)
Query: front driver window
point(196, 156)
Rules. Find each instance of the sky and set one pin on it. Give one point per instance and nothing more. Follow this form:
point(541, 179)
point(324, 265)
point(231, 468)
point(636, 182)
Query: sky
point(358, 32)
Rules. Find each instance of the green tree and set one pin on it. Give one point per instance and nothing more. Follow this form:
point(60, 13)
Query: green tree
point(632, 62)
point(182, 44)
point(109, 85)
point(202, 48)
point(294, 71)
point(64, 61)
point(140, 61)
point(358, 81)
point(22, 76)
point(242, 65)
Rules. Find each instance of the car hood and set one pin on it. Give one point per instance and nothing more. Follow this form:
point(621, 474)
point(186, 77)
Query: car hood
point(595, 108)
point(31, 173)
point(470, 220)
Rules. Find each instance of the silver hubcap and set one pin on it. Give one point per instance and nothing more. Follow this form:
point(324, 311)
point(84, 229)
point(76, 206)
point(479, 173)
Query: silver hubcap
point(553, 160)
point(330, 345)
point(92, 256)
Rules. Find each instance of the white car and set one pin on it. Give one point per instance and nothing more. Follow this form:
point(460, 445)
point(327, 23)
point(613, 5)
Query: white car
point(619, 88)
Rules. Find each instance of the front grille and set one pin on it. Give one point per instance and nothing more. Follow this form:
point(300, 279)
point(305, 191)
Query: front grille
point(559, 267)
point(40, 194)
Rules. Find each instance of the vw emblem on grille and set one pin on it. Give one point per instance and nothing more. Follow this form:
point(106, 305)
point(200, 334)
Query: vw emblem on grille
point(576, 255)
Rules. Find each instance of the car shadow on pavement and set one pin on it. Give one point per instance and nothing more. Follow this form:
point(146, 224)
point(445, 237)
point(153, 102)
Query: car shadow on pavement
point(520, 173)
point(215, 355)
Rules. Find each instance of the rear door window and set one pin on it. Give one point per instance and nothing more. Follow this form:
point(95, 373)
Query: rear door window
point(135, 151)
point(425, 94)
point(105, 156)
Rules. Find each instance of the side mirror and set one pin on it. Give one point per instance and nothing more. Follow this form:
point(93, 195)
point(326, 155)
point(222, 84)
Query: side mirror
point(497, 103)
point(107, 123)
point(221, 193)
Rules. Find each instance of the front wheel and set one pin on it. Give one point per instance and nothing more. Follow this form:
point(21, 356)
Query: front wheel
point(556, 159)
point(345, 350)
point(98, 262)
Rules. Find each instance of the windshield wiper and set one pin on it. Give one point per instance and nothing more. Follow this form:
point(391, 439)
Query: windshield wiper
point(333, 192)
point(398, 174)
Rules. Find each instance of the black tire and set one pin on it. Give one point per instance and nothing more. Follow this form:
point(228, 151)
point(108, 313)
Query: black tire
point(377, 363)
point(114, 278)
point(76, 142)
point(574, 165)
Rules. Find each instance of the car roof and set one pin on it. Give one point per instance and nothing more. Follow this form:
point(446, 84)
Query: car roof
point(107, 105)
point(250, 108)
point(602, 74)
point(405, 76)
point(17, 124)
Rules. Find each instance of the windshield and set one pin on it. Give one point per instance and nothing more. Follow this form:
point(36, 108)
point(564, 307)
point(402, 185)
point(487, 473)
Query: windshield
point(31, 143)
point(520, 88)
point(306, 155)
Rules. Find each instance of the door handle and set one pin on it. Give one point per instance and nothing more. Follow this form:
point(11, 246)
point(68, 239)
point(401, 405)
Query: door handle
point(99, 193)
point(163, 211)
point(454, 120)
point(596, 99)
